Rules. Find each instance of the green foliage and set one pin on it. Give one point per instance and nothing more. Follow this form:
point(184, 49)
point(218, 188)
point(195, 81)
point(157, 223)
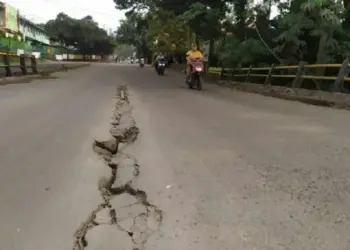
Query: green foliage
point(203, 20)
point(232, 52)
point(157, 31)
point(132, 5)
point(124, 50)
point(309, 30)
point(133, 31)
point(314, 22)
point(83, 34)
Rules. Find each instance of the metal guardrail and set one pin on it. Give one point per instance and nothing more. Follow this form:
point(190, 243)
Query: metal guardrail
point(298, 77)
point(23, 63)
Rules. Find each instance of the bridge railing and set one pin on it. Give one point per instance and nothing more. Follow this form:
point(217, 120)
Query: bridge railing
point(27, 64)
point(301, 73)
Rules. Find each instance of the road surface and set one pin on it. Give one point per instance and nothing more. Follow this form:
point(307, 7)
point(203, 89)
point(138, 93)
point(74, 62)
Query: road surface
point(230, 170)
point(48, 170)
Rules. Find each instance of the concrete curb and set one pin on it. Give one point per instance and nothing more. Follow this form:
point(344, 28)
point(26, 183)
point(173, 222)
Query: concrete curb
point(290, 95)
point(43, 73)
point(337, 101)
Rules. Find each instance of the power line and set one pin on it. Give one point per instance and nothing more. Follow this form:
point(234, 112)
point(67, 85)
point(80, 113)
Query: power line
point(29, 15)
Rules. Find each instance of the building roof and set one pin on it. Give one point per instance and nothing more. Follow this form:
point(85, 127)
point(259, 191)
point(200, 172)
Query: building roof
point(32, 23)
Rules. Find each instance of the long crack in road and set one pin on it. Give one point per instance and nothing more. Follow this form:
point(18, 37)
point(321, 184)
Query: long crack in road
point(124, 170)
point(229, 170)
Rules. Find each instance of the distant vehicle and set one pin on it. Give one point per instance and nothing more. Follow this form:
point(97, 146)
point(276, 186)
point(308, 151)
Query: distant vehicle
point(160, 67)
point(142, 62)
point(132, 60)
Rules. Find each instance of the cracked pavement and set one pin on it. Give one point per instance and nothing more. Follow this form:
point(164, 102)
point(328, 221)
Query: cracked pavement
point(49, 171)
point(138, 225)
point(228, 170)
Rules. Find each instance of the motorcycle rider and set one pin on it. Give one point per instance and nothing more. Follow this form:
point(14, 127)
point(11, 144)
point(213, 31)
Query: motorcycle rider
point(141, 62)
point(160, 57)
point(194, 53)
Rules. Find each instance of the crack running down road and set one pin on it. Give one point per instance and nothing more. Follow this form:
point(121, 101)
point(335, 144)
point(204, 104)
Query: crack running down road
point(229, 170)
point(124, 131)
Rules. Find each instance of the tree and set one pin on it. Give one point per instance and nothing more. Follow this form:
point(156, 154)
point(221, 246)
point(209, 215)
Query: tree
point(133, 31)
point(170, 22)
point(308, 23)
point(166, 32)
point(124, 50)
point(242, 32)
point(83, 34)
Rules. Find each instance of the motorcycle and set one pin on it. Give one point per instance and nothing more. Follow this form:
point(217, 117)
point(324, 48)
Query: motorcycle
point(194, 79)
point(160, 67)
point(142, 62)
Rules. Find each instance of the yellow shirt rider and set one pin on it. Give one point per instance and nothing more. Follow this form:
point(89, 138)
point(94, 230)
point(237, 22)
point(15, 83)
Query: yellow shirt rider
point(192, 54)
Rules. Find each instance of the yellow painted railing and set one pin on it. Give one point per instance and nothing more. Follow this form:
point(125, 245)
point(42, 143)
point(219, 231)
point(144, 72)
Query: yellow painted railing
point(7, 54)
point(298, 77)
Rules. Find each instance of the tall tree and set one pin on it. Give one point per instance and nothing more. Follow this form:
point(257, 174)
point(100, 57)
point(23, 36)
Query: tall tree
point(309, 30)
point(83, 34)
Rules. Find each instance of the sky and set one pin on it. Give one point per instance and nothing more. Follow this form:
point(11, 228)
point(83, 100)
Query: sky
point(274, 9)
point(40, 11)
point(103, 11)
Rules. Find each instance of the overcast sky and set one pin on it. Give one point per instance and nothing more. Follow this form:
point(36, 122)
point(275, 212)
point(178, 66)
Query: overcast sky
point(103, 11)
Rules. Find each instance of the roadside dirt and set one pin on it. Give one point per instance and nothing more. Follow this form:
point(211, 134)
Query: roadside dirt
point(123, 207)
point(313, 97)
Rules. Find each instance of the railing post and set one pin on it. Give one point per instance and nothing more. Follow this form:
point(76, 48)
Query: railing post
point(343, 72)
point(298, 80)
point(22, 62)
point(268, 77)
point(222, 74)
point(34, 64)
point(233, 73)
point(248, 73)
point(206, 68)
point(7, 65)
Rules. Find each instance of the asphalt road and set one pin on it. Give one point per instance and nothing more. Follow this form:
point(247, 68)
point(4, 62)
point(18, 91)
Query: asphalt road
point(233, 170)
point(48, 170)
point(230, 170)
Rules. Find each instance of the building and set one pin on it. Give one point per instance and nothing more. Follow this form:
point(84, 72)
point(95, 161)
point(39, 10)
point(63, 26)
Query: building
point(21, 35)
point(8, 18)
point(32, 32)
point(12, 23)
